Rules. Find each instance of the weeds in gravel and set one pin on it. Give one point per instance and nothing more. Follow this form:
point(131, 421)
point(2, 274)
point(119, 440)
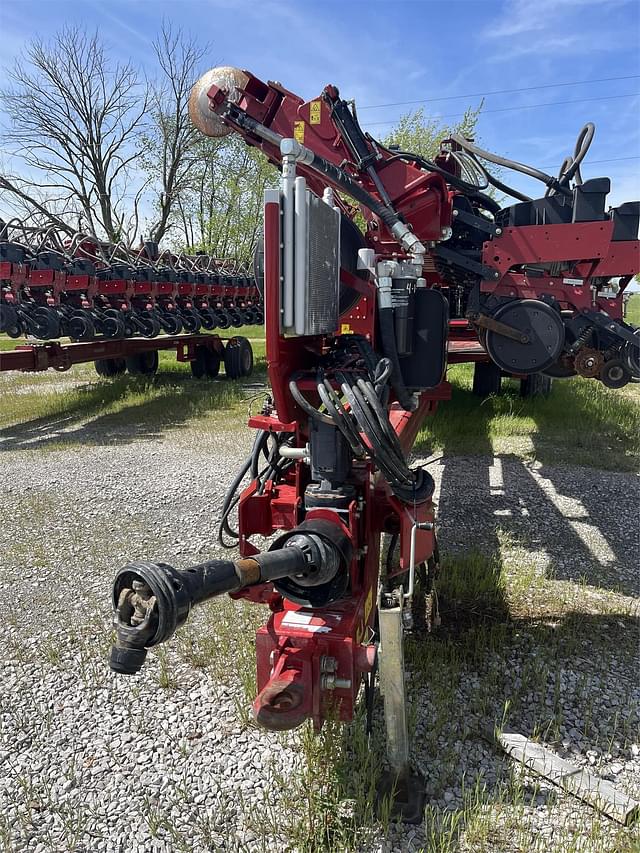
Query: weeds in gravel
point(166, 679)
point(329, 802)
point(222, 640)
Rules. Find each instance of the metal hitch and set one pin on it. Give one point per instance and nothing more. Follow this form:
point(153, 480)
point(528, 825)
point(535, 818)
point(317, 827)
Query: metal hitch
point(152, 600)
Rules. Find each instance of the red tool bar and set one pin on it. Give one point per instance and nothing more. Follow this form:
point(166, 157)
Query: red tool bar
point(57, 356)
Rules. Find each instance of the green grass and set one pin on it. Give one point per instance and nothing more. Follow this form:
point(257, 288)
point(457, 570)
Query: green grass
point(581, 422)
point(632, 314)
point(51, 409)
point(329, 804)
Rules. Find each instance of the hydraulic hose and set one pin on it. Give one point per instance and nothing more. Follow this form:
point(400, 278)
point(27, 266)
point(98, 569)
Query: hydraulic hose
point(531, 171)
point(571, 166)
point(336, 175)
point(386, 213)
point(485, 202)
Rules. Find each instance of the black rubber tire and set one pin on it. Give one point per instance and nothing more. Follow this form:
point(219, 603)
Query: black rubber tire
point(47, 324)
point(143, 364)
point(198, 365)
point(213, 360)
point(487, 379)
point(113, 325)
point(208, 319)
point(110, 367)
point(235, 319)
point(149, 324)
point(191, 320)
point(614, 374)
point(631, 356)
point(171, 322)
point(536, 385)
point(223, 319)
point(238, 358)
point(80, 326)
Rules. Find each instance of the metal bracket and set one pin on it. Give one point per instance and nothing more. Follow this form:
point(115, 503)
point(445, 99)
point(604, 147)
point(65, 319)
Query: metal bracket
point(485, 321)
point(457, 259)
point(405, 789)
point(613, 326)
point(477, 222)
point(417, 525)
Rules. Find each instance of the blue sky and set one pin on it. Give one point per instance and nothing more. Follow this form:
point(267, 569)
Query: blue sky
point(410, 50)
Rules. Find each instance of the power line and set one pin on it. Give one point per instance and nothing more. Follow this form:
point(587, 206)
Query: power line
point(498, 92)
point(522, 107)
point(588, 162)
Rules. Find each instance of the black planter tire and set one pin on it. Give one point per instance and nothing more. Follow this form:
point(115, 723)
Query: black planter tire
point(536, 385)
point(238, 358)
point(143, 364)
point(487, 379)
point(47, 324)
point(110, 367)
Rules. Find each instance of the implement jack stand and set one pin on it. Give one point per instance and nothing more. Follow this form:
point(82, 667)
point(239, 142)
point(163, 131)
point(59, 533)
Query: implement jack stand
point(405, 788)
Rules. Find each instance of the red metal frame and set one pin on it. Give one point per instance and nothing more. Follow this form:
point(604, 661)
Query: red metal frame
point(294, 646)
point(54, 355)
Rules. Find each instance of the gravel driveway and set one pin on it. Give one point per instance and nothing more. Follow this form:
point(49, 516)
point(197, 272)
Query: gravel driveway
point(165, 761)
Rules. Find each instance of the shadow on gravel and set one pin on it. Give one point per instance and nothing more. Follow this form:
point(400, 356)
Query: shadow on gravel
point(135, 410)
point(564, 679)
point(576, 524)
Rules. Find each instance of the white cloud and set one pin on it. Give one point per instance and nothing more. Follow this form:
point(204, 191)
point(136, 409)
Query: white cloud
point(523, 17)
point(550, 27)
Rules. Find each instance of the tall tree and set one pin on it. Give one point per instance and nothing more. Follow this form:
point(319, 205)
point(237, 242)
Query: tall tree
point(222, 212)
point(422, 135)
point(170, 144)
point(75, 118)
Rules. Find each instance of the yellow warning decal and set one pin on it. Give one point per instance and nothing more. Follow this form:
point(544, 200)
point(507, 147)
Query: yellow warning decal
point(368, 605)
point(315, 112)
point(345, 329)
point(298, 131)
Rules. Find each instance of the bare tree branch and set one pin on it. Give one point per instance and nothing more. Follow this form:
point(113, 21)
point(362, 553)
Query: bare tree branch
point(32, 202)
point(173, 137)
point(77, 116)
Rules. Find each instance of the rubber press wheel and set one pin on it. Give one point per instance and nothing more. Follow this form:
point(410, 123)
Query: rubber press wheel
point(47, 324)
point(81, 327)
point(238, 358)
